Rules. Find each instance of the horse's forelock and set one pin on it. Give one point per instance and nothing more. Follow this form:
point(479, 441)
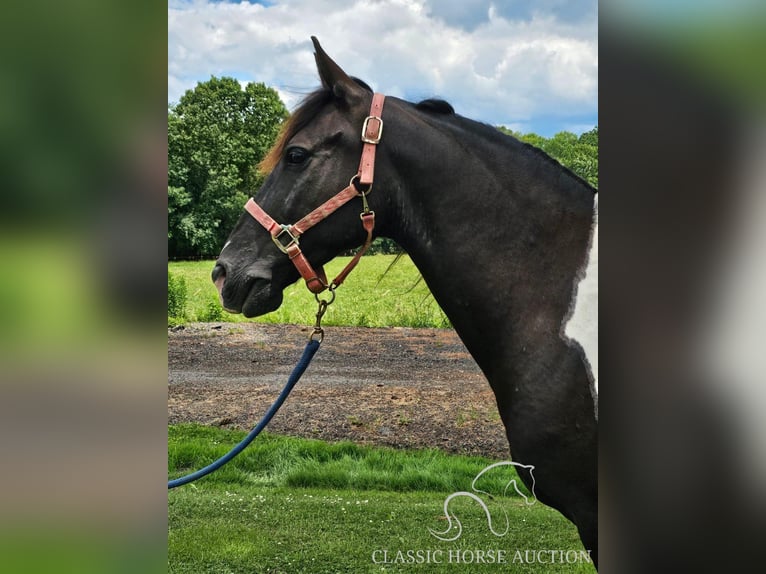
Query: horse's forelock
point(302, 115)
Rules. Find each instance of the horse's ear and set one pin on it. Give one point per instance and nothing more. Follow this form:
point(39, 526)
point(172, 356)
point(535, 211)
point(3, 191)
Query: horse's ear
point(334, 78)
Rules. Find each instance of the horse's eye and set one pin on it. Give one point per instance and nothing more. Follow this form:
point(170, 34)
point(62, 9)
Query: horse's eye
point(296, 155)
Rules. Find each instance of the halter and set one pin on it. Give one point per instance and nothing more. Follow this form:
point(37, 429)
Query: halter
point(286, 237)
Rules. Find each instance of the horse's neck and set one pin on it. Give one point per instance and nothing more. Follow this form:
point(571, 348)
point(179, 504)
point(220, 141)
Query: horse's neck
point(499, 248)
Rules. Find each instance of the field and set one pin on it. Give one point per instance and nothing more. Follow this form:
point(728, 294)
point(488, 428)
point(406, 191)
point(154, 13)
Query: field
point(305, 506)
point(372, 296)
point(292, 504)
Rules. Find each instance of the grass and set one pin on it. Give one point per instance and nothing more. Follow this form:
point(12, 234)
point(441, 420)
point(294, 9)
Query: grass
point(307, 506)
point(366, 299)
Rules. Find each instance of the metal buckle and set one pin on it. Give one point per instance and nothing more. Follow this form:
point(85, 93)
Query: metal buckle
point(278, 242)
point(373, 140)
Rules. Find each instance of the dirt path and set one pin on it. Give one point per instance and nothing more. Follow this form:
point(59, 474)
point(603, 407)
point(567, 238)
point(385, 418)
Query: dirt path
point(394, 387)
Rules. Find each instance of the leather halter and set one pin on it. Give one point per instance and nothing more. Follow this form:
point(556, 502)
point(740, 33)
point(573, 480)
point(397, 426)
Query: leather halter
point(286, 236)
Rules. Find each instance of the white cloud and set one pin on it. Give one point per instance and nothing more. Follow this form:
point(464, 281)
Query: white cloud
point(503, 66)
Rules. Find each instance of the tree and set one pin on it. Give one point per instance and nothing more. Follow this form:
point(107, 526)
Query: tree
point(590, 138)
point(585, 164)
point(217, 133)
point(578, 154)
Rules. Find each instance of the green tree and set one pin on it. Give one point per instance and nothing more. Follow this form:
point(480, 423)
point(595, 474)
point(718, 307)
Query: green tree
point(590, 138)
point(585, 163)
point(217, 133)
point(580, 154)
point(562, 146)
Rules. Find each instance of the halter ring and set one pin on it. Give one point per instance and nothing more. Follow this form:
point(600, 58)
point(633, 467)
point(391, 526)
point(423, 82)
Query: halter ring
point(357, 177)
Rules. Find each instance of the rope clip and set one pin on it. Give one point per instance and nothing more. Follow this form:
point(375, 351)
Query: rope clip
point(318, 332)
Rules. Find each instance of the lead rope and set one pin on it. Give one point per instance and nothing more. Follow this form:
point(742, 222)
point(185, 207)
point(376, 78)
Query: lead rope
point(312, 346)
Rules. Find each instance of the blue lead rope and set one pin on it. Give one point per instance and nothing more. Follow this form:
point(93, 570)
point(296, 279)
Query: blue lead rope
point(308, 353)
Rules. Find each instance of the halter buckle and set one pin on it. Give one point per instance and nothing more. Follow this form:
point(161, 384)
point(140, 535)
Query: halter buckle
point(278, 239)
point(372, 137)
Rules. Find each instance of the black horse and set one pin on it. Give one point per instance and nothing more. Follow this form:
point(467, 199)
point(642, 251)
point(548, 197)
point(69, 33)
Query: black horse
point(499, 231)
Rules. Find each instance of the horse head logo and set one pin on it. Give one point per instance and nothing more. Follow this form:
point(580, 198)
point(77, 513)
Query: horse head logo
point(453, 522)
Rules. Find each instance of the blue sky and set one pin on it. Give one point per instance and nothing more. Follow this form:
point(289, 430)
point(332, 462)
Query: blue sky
point(531, 65)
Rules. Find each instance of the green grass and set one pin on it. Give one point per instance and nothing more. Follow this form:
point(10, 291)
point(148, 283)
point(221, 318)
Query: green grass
point(366, 299)
point(305, 506)
point(284, 461)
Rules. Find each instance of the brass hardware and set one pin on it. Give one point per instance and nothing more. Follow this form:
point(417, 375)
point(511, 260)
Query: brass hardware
point(323, 304)
point(375, 140)
point(278, 242)
point(368, 191)
point(365, 205)
point(320, 301)
point(317, 333)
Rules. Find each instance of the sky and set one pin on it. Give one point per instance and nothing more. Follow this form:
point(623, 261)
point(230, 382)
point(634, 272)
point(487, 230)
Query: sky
point(529, 65)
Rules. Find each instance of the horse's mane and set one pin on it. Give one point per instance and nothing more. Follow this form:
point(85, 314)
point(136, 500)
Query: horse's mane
point(439, 107)
point(316, 100)
point(489, 132)
point(540, 153)
point(436, 106)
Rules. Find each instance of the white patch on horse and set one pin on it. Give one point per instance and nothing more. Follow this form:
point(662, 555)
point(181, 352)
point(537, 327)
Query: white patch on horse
point(580, 326)
point(225, 245)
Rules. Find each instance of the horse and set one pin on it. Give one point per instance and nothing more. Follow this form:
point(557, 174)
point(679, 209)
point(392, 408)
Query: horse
point(499, 231)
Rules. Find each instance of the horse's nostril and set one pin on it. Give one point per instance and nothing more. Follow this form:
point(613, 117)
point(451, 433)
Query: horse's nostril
point(218, 272)
point(219, 276)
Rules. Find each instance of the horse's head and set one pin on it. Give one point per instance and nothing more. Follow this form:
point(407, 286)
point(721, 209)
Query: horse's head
point(315, 157)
